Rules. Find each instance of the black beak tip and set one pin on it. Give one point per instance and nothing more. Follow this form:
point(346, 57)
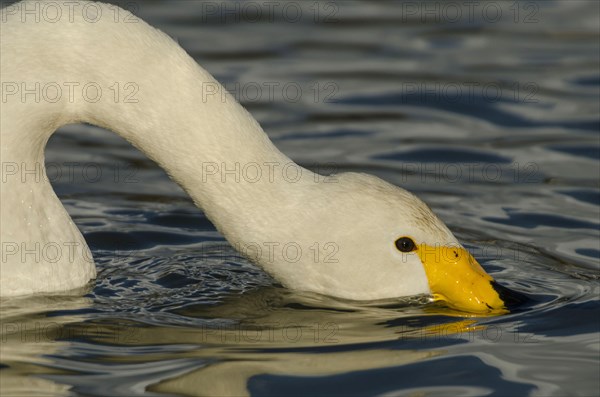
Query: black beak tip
point(512, 299)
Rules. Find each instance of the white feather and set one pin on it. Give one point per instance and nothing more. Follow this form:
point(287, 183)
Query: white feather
point(350, 220)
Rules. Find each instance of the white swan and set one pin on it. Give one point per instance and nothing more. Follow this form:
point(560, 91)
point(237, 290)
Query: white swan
point(352, 235)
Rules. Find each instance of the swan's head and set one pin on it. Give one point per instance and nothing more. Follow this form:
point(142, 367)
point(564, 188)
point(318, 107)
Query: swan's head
point(378, 241)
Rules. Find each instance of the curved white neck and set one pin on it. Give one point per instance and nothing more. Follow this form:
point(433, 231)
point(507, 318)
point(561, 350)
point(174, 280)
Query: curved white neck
point(152, 94)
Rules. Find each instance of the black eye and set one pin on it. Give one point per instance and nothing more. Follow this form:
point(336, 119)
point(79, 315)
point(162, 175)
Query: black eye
point(405, 244)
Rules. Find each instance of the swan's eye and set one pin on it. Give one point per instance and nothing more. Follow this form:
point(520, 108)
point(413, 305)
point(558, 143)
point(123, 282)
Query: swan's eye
point(405, 244)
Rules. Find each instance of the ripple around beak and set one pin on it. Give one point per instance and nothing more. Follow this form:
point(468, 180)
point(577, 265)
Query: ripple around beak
point(512, 299)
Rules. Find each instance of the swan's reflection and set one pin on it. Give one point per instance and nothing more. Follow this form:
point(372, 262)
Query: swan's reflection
point(28, 339)
point(270, 331)
point(220, 348)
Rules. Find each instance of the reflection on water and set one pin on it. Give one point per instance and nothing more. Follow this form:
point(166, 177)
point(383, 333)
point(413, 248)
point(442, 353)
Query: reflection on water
point(270, 340)
point(493, 122)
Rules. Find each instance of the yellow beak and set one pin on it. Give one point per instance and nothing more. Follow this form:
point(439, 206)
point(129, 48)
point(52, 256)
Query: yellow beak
point(456, 278)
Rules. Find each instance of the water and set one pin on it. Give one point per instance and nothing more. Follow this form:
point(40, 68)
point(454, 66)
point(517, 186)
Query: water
point(494, 123)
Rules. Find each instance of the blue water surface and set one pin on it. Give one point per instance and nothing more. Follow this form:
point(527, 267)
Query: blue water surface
point(493, 121)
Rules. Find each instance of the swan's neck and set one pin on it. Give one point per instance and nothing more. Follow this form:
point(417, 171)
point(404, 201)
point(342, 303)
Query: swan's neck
point(152, 94)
